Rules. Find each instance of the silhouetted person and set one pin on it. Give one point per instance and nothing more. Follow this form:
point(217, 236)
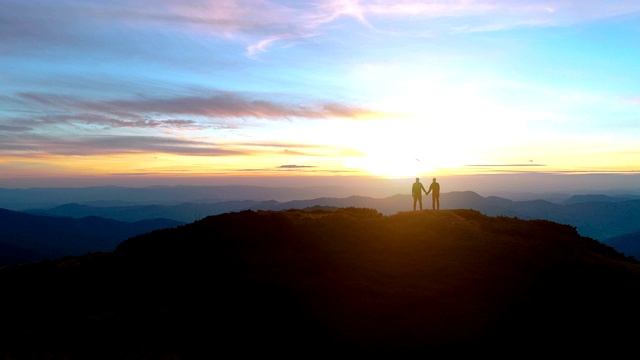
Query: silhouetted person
point(435, 197)
point(416, 191)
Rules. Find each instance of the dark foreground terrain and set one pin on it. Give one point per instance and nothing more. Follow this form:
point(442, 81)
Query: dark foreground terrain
point(328, 283)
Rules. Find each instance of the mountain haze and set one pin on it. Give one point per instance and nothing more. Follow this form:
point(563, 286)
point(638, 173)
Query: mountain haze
point(348, 281)
point(601, 219)
point(32, 198)
point(27, 237)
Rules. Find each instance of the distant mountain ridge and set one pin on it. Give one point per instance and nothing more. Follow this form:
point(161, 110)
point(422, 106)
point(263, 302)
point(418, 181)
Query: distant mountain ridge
point(27, 237)
point(35, 198)
point(575, 199)
point(596, 219)
point(22, 199)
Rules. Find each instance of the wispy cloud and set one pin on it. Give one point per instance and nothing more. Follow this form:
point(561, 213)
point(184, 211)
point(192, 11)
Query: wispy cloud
point(260, 24)
point(293, 166)
point(497, 167)
point(466, 16)
point(329, 11)
point(37, 145)
point(165, 112)
point(12, 128)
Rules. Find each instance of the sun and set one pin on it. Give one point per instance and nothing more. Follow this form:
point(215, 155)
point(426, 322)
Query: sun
point(440, 129)
point(391, 165)
point(390, 150)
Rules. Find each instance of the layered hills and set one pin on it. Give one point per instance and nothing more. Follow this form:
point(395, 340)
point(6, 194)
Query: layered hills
point(348, 281)
point(597, 216)
point(26, 238)
point(599, 219)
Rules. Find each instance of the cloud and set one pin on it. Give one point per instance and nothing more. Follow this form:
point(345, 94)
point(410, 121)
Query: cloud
point(296, 170)
point(329, 11)
point(108, 122)
point(509, 10)
point(29, 146)
point(16, 128)
point(260, 24)
point(171, 112)
point(295, 166)
point(505, 165)
point(463, 15)
point(35, 146)
point(296, 149)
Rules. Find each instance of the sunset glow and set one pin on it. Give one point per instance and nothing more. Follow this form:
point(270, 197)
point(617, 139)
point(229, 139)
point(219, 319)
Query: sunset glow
point(389, 89)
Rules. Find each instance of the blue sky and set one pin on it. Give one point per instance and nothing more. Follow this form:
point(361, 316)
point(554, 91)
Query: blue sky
point(390, 89)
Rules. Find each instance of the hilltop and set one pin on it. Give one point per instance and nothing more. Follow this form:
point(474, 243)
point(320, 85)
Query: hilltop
point(312, 282)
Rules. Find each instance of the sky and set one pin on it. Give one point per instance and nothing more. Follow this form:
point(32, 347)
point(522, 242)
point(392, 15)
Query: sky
point(134, 91)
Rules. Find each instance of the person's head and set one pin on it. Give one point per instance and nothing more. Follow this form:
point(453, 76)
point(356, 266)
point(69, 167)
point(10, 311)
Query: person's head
point(417, 179)
point(434, 179)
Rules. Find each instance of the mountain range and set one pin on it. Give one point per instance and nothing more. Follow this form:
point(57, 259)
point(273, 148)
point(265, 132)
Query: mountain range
point(597, 216)
point(31, 198)
point(319, 283)
point(26, 238)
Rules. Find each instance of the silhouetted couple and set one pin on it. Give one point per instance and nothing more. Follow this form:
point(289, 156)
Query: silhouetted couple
point(418, 188)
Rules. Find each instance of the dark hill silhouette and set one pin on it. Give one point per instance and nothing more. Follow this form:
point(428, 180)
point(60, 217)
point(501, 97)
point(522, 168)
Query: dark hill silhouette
point(26, 237)
point(11, 254)
point(349, 281)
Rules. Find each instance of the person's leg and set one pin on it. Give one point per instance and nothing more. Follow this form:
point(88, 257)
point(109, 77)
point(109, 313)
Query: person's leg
point(433, 201)
point(420, 201)
point(438, 202)
point(415, 199)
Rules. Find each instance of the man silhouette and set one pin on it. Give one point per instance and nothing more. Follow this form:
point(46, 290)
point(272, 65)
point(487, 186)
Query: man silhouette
point(435, 197)
point(416, 191)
